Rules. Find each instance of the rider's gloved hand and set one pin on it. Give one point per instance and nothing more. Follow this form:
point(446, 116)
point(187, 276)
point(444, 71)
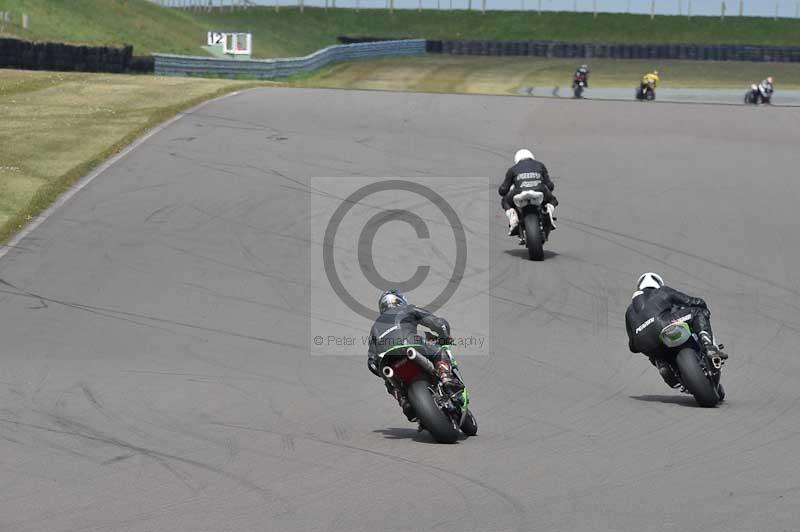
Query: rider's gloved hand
point(445, 340)
point(372, 364)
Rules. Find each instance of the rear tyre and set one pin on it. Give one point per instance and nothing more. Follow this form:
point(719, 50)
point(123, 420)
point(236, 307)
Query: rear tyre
point(533, 237)
point(694, 379)
point(430, 417)
point(578, 91)
point(639, 94)
point(470, 425)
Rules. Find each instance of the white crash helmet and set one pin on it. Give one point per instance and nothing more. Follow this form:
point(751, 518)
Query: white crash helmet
point(649, 280)
point(523, 154)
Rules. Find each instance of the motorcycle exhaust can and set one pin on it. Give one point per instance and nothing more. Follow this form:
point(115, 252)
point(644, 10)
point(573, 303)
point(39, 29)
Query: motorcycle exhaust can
point(388, 372)
point(423, 362)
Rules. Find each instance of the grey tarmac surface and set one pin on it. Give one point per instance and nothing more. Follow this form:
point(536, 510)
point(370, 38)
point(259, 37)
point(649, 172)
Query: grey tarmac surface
point(782, 98)
point(155, 374)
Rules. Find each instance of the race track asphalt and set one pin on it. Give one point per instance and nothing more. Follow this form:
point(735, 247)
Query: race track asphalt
point(156, 374)
point(783, 98)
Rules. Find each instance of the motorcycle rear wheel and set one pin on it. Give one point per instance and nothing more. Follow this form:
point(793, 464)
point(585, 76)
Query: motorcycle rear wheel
point(430, 416)
point(695, 380)
point(533, 237)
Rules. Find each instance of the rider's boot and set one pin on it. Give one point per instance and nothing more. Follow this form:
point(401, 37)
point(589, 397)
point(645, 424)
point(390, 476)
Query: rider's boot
point(666, 372)
point(551, 213)
point(513, 222)
point(711, 348)
point(449, 381)
point(402, 400)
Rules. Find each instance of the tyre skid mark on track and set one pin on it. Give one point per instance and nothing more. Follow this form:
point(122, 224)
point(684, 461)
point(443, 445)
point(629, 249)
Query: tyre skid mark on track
point(270, 276)
point(256, 228)
point(670, 249)
point(687, 273)
point(516, 506)
point(126, 316)
point(85, 432)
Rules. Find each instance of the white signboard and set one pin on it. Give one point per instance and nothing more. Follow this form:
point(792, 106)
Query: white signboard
point(234, 43)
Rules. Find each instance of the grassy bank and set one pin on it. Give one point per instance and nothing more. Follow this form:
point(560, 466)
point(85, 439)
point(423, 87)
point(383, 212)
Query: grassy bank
point(498, 75)
point(151, 28)
point(58, 126)
point(290, 32)
point(148, 27)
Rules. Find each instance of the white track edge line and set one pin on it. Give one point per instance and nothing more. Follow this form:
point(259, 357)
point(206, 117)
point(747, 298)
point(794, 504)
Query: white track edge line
point(88, 178)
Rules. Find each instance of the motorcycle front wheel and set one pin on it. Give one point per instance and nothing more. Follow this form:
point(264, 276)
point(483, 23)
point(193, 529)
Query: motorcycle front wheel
point(469, 426)
point(430, 416)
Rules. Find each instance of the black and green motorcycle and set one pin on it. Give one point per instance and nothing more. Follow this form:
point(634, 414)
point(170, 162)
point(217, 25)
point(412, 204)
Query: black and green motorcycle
point(442, 413)
point(697, 370)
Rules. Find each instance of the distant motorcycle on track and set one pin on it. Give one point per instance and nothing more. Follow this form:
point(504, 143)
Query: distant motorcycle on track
point(646, 91)
point(578, 86)
point(755, 96)
point(580, 81)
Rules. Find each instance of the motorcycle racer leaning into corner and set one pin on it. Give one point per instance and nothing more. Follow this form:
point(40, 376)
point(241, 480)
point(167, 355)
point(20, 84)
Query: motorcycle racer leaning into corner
point(651, 78)
point(653, 306)
point(395, 327)
point(764, 89)
point(527, 172)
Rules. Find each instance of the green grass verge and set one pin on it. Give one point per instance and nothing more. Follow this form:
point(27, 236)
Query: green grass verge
point(58, 126)
point(288, 32)
point(505, 75)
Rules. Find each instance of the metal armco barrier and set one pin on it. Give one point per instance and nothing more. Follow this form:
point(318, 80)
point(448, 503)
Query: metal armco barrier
point(179, 65)
point(694, 52)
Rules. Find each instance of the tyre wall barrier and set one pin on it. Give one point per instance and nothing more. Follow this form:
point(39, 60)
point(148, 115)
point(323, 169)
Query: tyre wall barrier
point(27, 55)
point(694, 52)
point(691, 52)
point(179, 65)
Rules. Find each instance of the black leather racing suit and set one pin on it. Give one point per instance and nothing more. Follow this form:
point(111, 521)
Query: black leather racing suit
point(397, 326)
point(652, 309)
point(581, 75)
point(526, 174)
